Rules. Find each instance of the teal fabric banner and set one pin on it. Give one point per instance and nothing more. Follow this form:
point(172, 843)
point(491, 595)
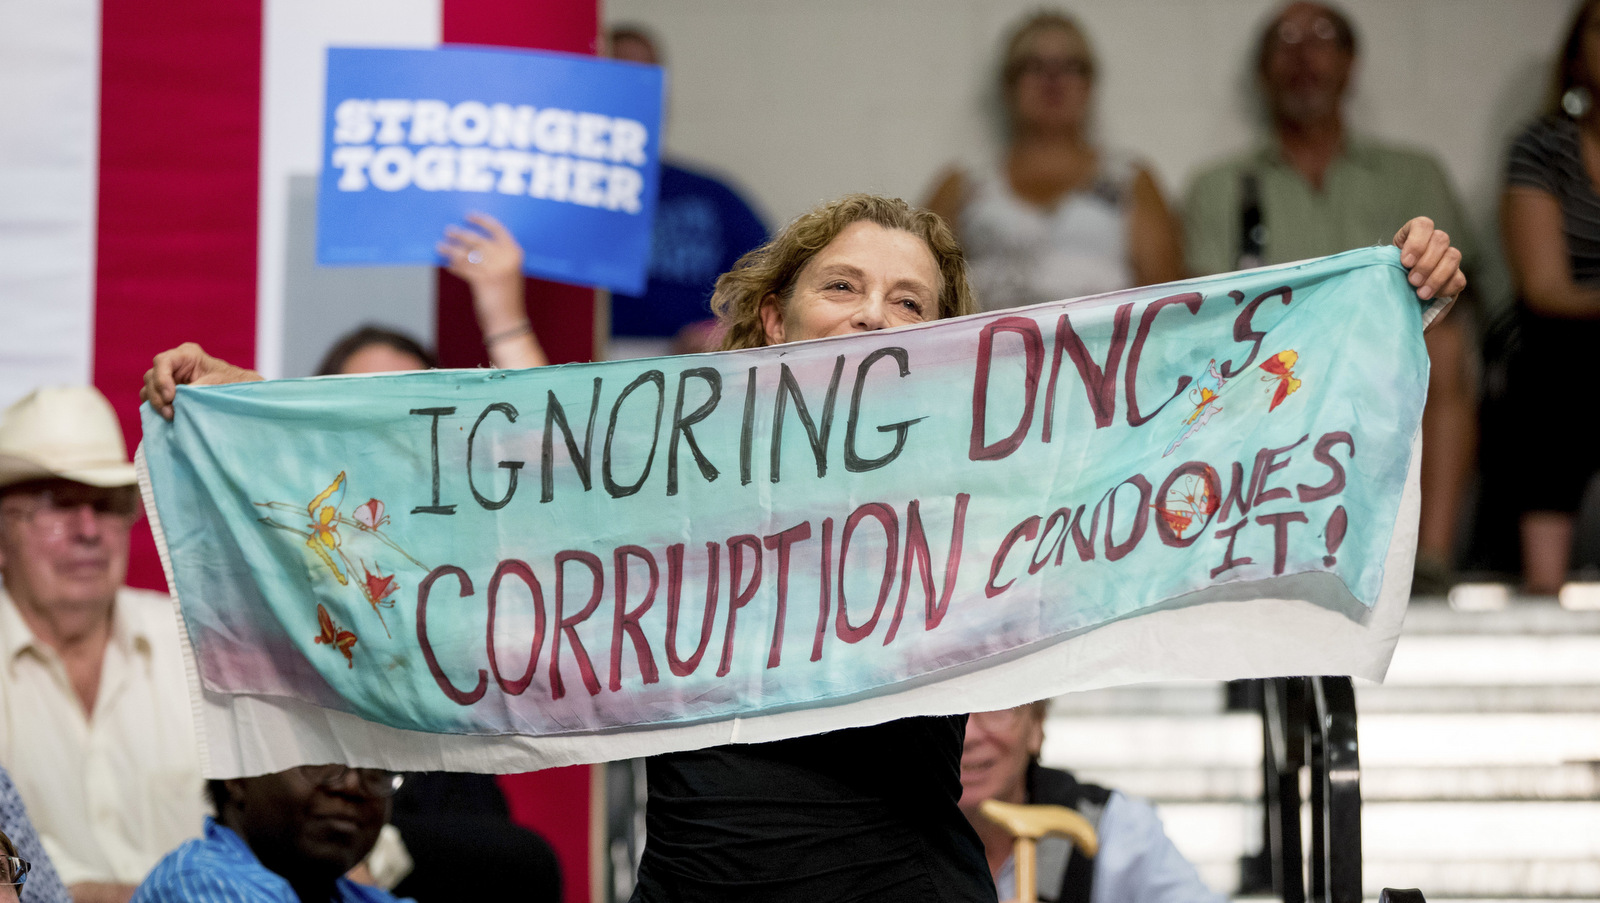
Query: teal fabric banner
point(591, 556)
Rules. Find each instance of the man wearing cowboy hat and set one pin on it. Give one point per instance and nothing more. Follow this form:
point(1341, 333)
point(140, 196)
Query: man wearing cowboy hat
point(95, 721)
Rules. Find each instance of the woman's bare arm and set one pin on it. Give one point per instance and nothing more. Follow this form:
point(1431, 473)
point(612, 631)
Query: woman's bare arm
point(490, 260)
point(1155, 240)
point(1536, 250)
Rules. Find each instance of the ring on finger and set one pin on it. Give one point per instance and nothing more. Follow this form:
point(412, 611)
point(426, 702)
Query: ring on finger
point(474, 257)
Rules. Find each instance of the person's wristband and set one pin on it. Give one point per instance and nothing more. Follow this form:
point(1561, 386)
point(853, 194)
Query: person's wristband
point(520, 329)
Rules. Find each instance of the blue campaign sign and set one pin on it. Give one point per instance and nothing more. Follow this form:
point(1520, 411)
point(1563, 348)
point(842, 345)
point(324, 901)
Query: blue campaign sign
point(563, 149)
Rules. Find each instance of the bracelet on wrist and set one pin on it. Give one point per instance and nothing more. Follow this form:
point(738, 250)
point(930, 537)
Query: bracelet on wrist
point(520, 329)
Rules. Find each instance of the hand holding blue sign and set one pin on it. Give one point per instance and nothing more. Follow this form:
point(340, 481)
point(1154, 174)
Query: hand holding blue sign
point(490, 260)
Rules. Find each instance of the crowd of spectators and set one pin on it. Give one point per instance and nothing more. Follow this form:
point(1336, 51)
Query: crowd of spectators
point(100, 787)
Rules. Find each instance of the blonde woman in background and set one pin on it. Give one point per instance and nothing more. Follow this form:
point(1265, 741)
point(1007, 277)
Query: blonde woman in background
point(1055, 216)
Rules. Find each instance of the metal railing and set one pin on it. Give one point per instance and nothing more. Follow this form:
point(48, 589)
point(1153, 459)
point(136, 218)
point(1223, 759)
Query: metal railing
point(1309, 723)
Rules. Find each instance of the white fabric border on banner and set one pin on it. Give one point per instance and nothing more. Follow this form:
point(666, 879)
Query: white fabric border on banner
point(296, 35)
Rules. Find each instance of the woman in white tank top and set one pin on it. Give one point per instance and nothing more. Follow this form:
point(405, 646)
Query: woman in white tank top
point(1055, 217)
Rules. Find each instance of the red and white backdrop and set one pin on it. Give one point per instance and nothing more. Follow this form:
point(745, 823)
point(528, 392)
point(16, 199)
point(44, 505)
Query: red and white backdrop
point(145, 168)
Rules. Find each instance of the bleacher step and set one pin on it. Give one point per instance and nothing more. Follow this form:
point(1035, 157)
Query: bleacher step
point(1524, 616)
point(1547, 698)
point(1578, 782)
point(1480, 757)
point(1569, 879)
point(1387, 739)
point(1405, 691)
point(1494, 660)
point(1447, 848)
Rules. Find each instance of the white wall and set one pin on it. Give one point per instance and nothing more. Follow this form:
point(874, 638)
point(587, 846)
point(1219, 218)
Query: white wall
point(301, 308)
point(801, 101)
point(50, 104)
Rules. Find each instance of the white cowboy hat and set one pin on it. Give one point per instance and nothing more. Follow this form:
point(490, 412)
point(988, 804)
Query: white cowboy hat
point(67, 433)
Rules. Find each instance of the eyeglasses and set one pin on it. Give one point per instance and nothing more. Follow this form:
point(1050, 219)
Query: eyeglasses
point(53, 509)
point(1043, 67)
point(374, 781)
point(14, 870)
point(1321, 31)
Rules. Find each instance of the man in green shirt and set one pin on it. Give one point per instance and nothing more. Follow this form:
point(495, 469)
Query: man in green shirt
point(1312, 188)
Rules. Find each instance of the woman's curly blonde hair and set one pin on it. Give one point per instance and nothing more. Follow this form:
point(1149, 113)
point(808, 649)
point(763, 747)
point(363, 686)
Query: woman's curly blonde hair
point(773, 268)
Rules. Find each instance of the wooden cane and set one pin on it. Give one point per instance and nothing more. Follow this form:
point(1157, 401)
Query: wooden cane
point(1027, 824)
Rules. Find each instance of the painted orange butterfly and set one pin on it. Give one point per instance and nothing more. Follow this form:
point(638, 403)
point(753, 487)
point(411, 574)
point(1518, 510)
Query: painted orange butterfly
point(377, 588)
point(1280, 368)
point(334, 635)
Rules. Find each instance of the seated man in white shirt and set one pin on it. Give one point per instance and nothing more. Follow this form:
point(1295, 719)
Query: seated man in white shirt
point(95, 723)
point(1136, 862)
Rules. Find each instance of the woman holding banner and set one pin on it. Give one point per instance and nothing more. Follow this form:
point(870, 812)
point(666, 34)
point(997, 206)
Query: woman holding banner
point(865, 813)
